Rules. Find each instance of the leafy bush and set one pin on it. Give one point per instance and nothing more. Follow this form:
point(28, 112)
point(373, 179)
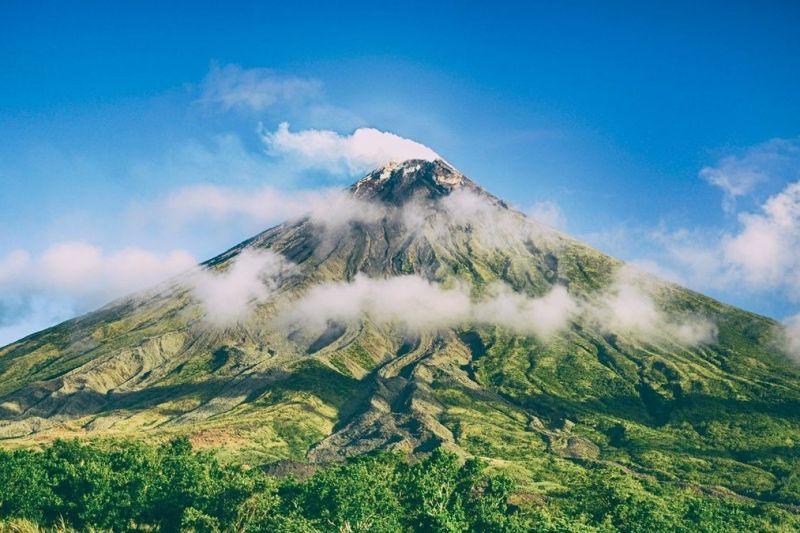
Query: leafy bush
point(127, 485)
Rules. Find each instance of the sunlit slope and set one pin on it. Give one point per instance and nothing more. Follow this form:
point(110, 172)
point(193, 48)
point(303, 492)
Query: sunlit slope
point(722, 415)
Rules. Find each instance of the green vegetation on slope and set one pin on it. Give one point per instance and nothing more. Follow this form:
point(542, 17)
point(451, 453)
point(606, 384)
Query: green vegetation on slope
point(126, 485)
point(718, 417)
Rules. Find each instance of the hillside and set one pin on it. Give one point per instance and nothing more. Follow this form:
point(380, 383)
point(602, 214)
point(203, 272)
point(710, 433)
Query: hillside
point(420, 311)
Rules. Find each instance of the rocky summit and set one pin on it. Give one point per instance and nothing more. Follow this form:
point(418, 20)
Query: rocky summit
point(416, 310)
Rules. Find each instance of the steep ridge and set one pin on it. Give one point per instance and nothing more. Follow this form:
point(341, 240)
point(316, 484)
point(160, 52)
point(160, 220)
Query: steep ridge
point(686, 389)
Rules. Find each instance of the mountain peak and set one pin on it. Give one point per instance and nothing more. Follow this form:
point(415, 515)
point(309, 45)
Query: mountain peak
point(399, 182)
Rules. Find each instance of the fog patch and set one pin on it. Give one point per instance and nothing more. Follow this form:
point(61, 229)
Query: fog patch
point(417, 305)
point(494, 225)
point(628, 307)
point(337, 210)
point(542, 317)
point(792, 336)
point(409, 302)
point(229, 296)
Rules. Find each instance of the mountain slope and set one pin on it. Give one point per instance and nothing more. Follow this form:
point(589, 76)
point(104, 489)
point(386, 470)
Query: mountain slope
point(609, 366)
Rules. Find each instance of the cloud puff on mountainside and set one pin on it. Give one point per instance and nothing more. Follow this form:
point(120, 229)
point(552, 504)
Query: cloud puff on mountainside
point(410, 302)
point(418, 305)
point(361, 151)
point(542, 317)
point(628, 306)
point(228, 296)
point(792, 325)
point(493, 226)
point(548, 213)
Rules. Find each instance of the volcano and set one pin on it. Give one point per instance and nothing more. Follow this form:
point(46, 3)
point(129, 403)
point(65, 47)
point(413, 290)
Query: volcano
point(415, 311)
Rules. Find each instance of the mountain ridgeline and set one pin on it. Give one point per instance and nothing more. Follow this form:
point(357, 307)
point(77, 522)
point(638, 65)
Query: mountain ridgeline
point(416, 312)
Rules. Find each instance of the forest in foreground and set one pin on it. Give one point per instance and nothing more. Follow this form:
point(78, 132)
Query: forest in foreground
point(133, 486)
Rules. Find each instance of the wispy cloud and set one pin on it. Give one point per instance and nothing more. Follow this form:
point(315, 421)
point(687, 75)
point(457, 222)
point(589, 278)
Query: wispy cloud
point(658, 270)
point(87, 272)
point(73, 277)
point(756, 254)
point(759, 255)
point(410, 302)
point(358, 152)
point(417, 305)
point(738, 175)
point(13, 265)
point(548, 212)
point(327, 207)
point(256, 89)
point(543, 317)
point(499, 228)
point(765, 252)
point(792, 332)
point(629, 307)
point(228, 297)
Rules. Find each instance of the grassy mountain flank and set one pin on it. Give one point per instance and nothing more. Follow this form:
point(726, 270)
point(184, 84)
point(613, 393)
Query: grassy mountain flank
point(717, 418)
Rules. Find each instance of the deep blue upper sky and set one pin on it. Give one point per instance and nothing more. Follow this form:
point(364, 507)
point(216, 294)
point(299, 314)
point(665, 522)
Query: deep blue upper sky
point(609, 110)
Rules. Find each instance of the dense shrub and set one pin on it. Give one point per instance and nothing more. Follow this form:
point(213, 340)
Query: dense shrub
point(128, 485)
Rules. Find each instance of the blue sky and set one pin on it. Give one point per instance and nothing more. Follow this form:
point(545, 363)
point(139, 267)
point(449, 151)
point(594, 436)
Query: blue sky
point(657, 132)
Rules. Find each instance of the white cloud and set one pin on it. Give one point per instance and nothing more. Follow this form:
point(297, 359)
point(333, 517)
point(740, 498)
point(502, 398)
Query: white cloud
point(331, 208)
point(71, 264)
point(85, 272)
point(13, 265)
point(410, 302)
point(265, 204)
point(738, 175)
point(229, 296)
point(465, 207)
point(337, 209)
point(656, 269)
point(695, 331)
point(765, 252)
point(73, 277)
point(418, 305)
point(628, 306)
point(361, 151)
point(548, 213)
point(792, 333)
point(696, 254)
point(334, 208)
point(493, 225)
point(759, 255)
point(543, 316)
point(257, 89)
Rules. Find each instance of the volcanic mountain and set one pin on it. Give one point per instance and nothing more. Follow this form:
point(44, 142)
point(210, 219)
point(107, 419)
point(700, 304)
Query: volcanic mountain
point(417, 310)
